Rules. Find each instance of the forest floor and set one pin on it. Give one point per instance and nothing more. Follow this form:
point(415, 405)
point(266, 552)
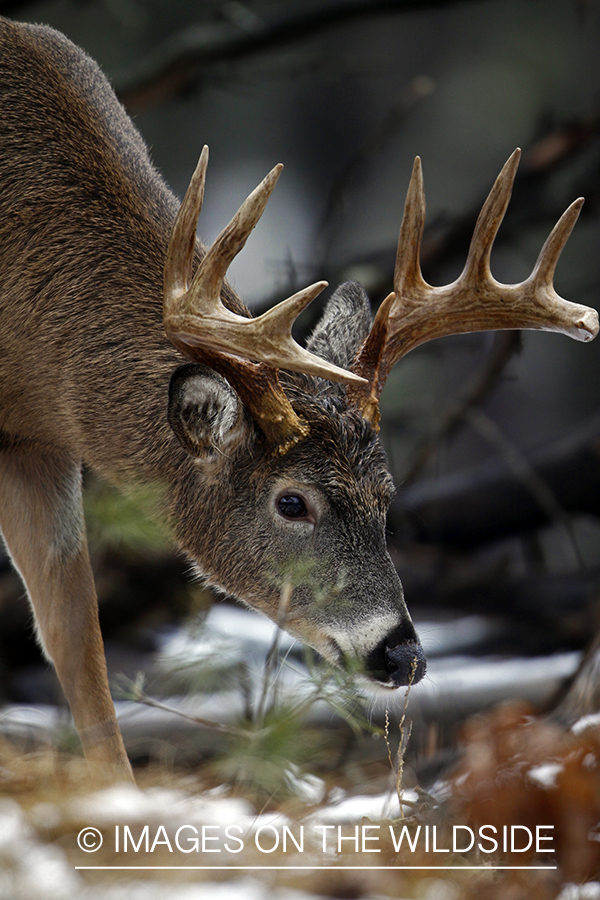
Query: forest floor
point(312, 795)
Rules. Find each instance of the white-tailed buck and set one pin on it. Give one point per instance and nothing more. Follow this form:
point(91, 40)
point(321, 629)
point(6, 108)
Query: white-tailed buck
point(122, 347)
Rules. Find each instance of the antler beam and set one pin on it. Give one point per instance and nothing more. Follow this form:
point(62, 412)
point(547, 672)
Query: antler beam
point(247, 351)
point(195, 316)
point(416, 312)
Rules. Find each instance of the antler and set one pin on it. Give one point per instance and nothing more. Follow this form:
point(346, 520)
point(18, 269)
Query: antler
point(417, 312)
point(246, 351)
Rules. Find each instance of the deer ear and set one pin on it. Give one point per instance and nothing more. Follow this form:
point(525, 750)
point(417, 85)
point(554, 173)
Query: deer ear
point(204, 411)
point(344, 325)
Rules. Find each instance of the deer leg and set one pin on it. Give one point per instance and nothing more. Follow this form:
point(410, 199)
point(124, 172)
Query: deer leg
point(41, 519)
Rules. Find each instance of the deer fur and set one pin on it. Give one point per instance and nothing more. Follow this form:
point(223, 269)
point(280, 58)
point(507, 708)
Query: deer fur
point(87, 376)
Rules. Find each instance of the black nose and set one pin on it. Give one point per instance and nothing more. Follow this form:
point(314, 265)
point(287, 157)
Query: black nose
point(399, 658)
point(405, 663)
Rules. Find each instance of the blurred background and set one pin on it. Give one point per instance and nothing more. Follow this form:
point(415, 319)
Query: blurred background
point(494, 440)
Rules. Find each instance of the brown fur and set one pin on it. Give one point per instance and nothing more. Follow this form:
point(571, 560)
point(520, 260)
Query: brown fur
point(85, 369)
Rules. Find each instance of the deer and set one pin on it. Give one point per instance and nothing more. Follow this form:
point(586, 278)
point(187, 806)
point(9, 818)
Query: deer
point(124, 349)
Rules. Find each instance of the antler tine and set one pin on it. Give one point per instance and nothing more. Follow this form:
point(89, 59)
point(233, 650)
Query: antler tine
point(477, 266)
point(196, 317)
point(267, 338)
point(474, 302)
point(582, 323)
point(278, 347)
point(408, 283)
point(543, 272)
point(180, 254)
point(585, 327)
point(247, 351)
point(206, 287)
point(408, 257)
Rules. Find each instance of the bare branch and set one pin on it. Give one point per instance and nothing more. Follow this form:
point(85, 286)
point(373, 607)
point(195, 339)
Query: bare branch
point(486, 503)
point(473, 394)
point(183, 60)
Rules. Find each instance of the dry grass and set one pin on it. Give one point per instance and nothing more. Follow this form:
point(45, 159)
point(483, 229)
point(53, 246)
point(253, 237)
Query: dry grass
point(496, 783)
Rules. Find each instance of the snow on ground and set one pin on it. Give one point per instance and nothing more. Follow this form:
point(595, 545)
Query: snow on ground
point(456, 684)
point(33, 867)
point(38, 841)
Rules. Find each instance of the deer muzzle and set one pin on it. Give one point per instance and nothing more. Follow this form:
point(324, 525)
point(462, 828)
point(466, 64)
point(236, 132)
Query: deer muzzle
point(397, 661)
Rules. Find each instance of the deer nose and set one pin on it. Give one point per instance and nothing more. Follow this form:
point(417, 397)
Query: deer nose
point(398, 658)
point(405, 663)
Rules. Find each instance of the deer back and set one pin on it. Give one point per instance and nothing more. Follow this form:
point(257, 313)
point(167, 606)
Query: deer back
point(84, 227)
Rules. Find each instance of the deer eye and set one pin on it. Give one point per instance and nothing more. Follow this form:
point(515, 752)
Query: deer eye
point(291, 506)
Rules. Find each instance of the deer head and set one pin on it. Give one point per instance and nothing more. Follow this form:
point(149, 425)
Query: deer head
point(293, 431)
point(308, 483)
